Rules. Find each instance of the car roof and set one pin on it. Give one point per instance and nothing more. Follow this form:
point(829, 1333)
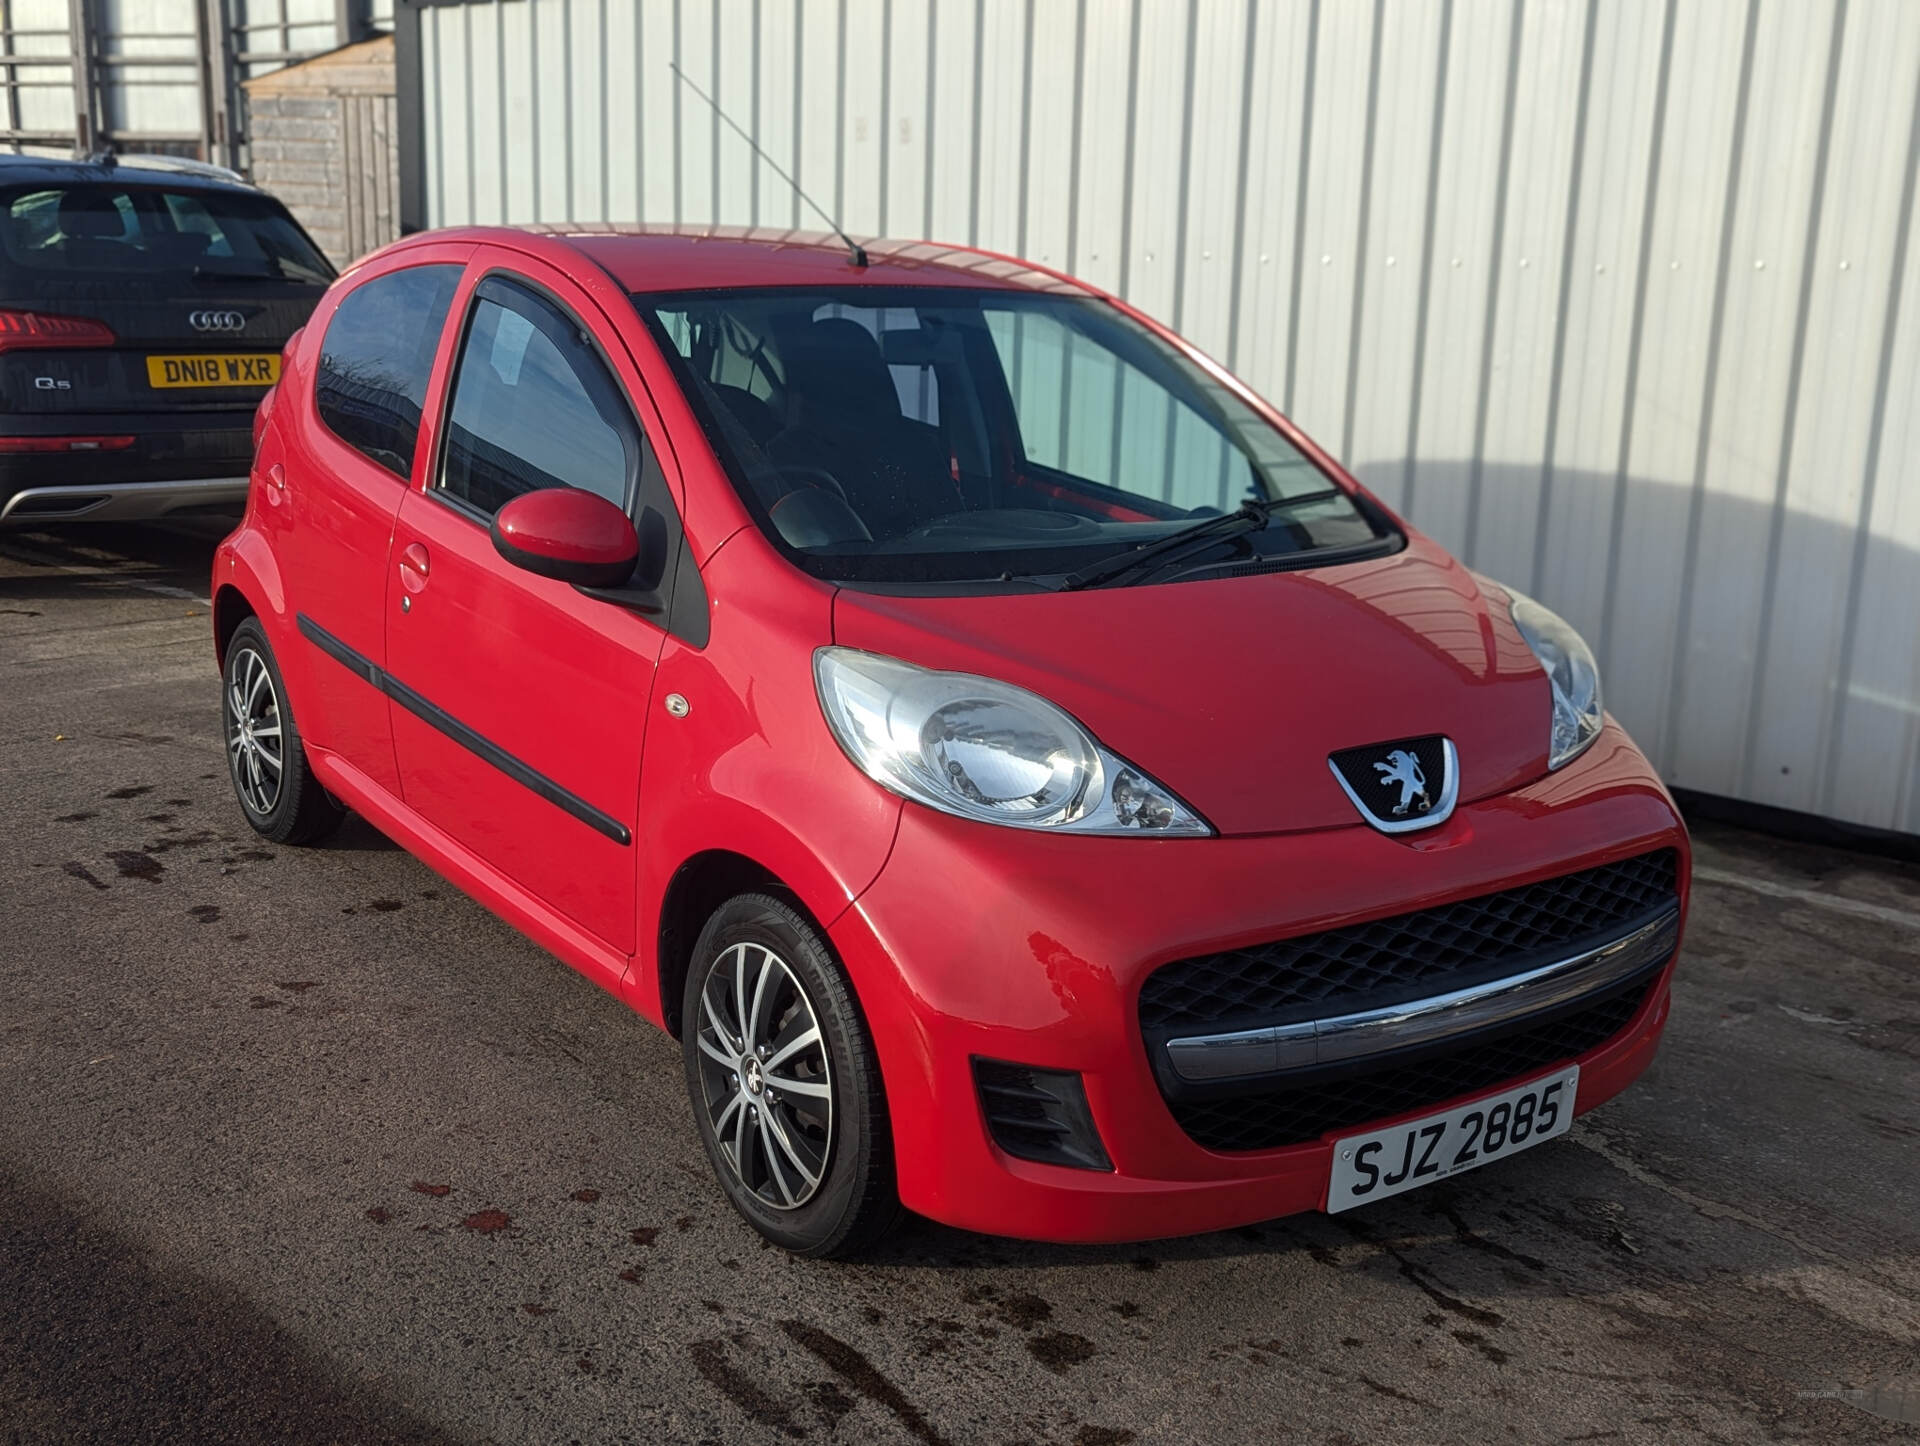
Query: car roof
point(662, 258)
point(175, 175)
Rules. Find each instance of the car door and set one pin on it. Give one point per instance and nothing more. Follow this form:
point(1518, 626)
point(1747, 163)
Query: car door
point(333, 480)
point(520, 703)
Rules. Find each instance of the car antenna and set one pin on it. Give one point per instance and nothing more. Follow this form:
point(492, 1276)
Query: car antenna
point(858, 251)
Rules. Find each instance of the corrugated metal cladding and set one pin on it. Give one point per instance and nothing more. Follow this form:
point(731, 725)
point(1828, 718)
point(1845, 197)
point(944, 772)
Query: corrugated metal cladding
point(1617, 298)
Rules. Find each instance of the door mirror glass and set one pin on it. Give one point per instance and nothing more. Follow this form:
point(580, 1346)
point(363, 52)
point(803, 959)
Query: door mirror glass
point(568, 534)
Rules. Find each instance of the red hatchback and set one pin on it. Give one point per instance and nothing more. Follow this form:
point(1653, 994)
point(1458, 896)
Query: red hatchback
point(1038, 786)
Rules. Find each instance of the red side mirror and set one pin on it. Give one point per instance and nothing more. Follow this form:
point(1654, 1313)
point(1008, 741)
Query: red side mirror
point(568, 534)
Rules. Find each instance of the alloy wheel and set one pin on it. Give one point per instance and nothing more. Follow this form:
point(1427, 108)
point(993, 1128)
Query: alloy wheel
point(255, 745)
point(766, 1081)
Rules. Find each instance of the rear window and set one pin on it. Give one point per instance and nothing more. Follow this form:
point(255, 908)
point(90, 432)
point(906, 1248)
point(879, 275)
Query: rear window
point(376, 357)
point(94, 227)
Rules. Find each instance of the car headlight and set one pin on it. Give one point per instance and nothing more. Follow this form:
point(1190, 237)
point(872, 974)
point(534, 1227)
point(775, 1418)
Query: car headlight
point(1572, 672)
point(986, 750)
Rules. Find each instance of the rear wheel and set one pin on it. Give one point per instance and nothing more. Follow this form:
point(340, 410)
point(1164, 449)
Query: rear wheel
point(785, 1084)
point(278, 793)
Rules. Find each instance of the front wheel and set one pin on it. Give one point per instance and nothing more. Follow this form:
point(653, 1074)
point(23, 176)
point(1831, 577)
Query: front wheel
point(785, 1084)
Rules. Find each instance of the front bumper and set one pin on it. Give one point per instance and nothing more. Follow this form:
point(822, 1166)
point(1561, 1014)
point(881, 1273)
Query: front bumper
point(991, 943)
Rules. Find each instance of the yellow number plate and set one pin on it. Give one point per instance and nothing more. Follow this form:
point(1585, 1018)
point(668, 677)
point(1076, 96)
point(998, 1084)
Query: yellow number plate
point(252, 369)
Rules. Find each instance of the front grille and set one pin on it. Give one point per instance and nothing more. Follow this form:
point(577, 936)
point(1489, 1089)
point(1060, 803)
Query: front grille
point(1292, 1116)
point(1387, 961)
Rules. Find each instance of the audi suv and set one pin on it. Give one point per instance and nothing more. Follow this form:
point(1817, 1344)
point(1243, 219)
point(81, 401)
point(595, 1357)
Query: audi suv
point(144, 302)
point(1038, 786)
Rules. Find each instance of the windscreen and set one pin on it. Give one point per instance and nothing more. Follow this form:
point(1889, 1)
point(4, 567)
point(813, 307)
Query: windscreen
point(93, 228)
point(914, 434)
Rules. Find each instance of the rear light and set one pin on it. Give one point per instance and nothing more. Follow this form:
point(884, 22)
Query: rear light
point(24, 330)
point(1039, 1114)
point(64, 444)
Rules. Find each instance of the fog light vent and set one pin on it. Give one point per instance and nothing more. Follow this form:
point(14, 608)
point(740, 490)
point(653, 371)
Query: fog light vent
point(1039, 1114)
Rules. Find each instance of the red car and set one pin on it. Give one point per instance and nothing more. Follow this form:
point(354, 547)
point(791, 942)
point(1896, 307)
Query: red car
point(1037, 785)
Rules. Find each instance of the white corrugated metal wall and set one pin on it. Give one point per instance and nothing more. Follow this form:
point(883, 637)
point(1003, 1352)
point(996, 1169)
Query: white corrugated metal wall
point(1614, 297)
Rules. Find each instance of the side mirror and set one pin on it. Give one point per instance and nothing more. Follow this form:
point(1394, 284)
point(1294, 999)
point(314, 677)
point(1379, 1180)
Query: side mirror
point(567, 534)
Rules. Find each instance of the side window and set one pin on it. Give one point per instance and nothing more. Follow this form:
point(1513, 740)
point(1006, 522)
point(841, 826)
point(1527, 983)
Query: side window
point(533, 406)
point(376, 357)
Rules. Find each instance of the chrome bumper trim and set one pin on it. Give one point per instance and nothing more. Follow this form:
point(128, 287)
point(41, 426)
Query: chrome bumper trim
point(120, 501)
point(1347, 1037)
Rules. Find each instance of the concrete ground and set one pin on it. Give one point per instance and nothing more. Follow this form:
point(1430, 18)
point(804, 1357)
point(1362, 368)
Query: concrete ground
point(304, 1146)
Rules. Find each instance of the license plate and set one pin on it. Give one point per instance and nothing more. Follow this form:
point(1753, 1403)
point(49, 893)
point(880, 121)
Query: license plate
point(238, 369)
point(1388, 1162)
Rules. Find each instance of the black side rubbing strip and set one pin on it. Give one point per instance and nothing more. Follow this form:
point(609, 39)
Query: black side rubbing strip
point(361, 667)
point(484, 748)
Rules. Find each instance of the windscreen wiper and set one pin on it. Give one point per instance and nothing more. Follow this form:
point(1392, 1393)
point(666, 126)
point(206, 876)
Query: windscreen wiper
point(1185, 541)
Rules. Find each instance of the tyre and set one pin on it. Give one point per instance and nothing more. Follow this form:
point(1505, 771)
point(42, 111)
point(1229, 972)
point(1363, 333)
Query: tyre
point(278, 793)
point(785, 1084)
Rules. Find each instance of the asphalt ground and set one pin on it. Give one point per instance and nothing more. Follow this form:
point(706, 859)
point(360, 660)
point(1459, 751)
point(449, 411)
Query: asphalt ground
point(304, 1146)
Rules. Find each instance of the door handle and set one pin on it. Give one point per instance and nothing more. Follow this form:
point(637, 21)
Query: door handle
point(275, 484)
point(413, 567)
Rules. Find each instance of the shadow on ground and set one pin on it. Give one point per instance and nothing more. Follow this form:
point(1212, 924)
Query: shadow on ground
point(95, 1345)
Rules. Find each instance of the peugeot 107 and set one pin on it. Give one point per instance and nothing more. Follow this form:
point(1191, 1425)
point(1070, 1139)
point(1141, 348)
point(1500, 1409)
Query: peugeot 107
point(1035, 783)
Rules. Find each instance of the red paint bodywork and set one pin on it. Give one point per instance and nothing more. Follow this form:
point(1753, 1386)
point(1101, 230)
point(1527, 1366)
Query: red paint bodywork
point(961, 939)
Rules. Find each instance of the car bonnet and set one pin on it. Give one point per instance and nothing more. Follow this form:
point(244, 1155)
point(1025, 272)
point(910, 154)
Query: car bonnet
point(1235, 691)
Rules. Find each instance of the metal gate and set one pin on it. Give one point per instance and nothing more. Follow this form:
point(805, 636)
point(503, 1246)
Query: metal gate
point(155, 75)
